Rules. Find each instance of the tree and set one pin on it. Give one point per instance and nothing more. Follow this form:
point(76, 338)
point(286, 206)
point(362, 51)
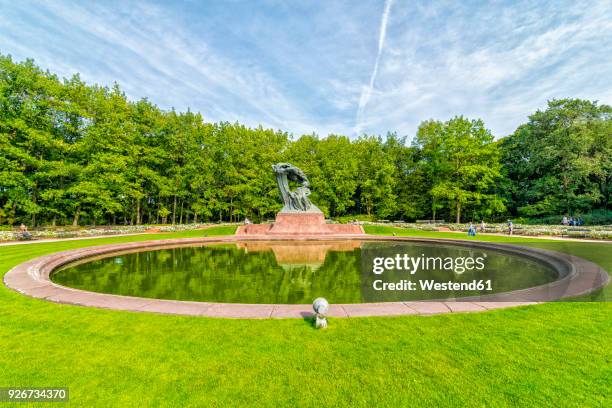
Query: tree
point(410, 182)
point(376, 177)
point(559, 162)
point(73, 153)
point(463, 161)
point(332, 168)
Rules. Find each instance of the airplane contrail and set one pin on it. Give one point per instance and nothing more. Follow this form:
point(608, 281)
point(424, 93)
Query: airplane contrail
point(367, 91)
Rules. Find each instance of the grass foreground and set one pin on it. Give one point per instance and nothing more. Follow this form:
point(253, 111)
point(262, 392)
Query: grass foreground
point(554, 354)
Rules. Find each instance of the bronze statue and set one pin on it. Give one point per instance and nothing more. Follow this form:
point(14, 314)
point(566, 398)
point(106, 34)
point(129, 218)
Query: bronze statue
point(296, 200)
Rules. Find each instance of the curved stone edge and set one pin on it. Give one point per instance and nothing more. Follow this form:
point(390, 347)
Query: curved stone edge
point(32, 278)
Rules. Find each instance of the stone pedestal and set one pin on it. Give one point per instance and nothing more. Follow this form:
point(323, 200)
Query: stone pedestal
point(299, 223)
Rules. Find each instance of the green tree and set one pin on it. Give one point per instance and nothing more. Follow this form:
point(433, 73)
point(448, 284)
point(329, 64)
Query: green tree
point(376, 177)
point(410, 182)
point(463, 161)
point(73, 153)
point(560, 161)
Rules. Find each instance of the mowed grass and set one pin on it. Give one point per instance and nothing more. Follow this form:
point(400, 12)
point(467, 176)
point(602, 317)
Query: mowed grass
point(555, 354)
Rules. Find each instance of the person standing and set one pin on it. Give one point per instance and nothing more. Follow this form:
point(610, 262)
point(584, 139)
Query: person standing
point(482, 226)
point(510, 227)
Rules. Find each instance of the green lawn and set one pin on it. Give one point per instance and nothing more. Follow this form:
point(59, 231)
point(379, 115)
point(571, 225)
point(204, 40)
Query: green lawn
point(555, 354)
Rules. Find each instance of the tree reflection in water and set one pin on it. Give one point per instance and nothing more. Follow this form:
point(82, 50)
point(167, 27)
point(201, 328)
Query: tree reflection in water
point(292, 272)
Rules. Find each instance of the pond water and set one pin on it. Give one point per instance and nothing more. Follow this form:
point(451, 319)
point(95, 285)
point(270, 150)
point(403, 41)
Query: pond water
point(294, 272)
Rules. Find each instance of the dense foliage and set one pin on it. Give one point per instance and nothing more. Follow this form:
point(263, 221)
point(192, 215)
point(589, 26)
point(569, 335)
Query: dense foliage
point(560, 162)
point(71, 153)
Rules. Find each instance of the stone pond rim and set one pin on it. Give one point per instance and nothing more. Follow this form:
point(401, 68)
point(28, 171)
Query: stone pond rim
point(300, 220)
point(32, 278)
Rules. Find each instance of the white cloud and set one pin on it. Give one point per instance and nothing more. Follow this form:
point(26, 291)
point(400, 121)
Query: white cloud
point(481, 66)
point(291, 66)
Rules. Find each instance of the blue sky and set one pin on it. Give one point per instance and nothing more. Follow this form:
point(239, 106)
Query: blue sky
point(344, 67)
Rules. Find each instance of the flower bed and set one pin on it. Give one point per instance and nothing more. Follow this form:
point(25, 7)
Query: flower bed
point(584, 231)
point(70, 232)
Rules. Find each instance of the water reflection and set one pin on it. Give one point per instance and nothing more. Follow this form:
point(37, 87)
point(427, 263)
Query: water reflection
point(279, 272)
point(290, 255)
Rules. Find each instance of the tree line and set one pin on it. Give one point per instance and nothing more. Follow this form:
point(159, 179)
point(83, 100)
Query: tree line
point(79, 154)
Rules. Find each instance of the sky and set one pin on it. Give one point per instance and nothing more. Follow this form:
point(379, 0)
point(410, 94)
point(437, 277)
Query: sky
point(341, 67)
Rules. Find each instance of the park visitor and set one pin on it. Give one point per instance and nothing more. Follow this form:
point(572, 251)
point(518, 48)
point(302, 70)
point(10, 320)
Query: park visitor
point(25, 235)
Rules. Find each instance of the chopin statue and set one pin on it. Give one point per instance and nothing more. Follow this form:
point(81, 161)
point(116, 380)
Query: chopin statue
point(296, 200)
point(299, 216)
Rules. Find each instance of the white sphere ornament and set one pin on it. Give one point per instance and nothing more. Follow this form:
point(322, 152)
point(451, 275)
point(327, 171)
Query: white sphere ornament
point(320, 307)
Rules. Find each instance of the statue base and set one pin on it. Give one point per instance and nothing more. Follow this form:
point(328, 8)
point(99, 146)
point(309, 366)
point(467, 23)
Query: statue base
point(300, 223)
